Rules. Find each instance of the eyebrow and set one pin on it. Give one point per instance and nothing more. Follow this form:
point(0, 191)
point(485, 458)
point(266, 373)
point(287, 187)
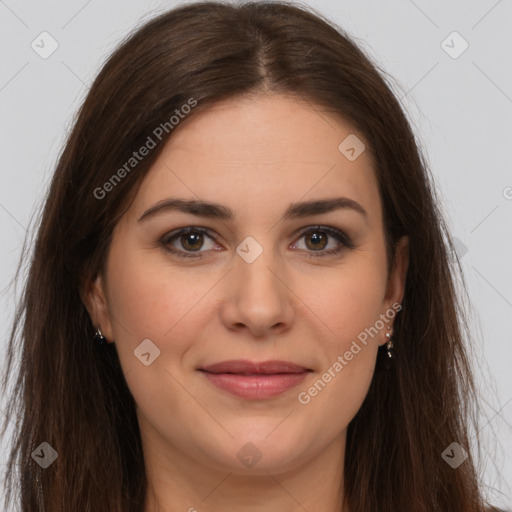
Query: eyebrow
point(216, 211)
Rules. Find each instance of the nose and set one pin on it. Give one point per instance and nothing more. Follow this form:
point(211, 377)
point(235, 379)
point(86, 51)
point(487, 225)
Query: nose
point(258, 297)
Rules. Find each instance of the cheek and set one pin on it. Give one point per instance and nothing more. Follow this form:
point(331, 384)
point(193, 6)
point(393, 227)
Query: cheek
point(349, 300)
point(152, 301)
point(350, 306)
point(348, 360)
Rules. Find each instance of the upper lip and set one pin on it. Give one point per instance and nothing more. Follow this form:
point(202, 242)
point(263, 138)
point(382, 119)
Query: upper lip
point(253, 367)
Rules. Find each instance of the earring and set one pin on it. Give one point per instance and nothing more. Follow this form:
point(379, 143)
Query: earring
point(390, 354)
point(99, 339)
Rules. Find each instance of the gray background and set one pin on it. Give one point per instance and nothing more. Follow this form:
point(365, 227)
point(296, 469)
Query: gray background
point(461, 109)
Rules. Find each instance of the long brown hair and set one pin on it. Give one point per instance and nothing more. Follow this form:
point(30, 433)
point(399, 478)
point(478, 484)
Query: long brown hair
point(69, 395)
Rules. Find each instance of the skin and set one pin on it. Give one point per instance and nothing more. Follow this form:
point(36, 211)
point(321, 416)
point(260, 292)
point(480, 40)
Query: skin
point(255, 156)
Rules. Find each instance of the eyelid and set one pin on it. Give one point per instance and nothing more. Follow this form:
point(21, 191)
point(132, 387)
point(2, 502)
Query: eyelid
point(169, 237)
point(345, 241)
point(334, 232)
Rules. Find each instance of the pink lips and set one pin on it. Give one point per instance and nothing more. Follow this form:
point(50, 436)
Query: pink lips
point(253, 380)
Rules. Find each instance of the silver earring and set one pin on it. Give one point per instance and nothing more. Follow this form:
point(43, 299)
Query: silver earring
point(99, 339)
point(390, 352)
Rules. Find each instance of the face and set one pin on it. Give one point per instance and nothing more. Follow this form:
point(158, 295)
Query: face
point(261, 274)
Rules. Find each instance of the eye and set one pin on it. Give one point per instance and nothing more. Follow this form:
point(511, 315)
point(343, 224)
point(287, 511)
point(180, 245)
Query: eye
point(190, 239)
point(187, 241)
point(318, 239)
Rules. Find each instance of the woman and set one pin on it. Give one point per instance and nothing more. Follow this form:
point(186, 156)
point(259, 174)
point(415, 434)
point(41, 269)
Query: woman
point(242, 293)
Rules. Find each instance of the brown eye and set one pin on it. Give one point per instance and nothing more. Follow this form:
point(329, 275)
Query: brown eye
point(192, 241)
point(318, 240)
point(186, 242)
point(323, 241)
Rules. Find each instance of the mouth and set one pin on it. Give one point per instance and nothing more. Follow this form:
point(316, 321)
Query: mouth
point(244, 367)
point(255, 380)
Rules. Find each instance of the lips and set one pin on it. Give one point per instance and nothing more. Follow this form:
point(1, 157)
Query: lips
point(244, 367)
point(255, 380)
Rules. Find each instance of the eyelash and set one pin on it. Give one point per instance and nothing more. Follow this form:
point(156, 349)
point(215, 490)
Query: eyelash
point(345, 241)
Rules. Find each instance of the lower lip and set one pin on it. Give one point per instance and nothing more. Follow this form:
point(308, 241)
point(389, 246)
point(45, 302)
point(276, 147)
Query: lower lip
point(256, 386)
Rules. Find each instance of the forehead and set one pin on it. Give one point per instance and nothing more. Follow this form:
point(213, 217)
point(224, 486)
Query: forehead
point(262, 152)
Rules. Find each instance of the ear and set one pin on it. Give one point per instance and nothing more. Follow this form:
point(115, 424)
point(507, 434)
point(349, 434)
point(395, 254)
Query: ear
point(396, 280)
point(397, 275)
point(95, 301)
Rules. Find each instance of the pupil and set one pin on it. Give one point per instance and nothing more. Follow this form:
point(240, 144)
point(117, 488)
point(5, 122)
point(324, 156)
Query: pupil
point(191, 240)
point(195, 238)
point(317, 239)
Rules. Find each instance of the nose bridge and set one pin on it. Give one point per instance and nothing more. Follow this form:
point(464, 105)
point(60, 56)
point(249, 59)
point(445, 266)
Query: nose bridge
point(256, 266)
point(259, 298)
